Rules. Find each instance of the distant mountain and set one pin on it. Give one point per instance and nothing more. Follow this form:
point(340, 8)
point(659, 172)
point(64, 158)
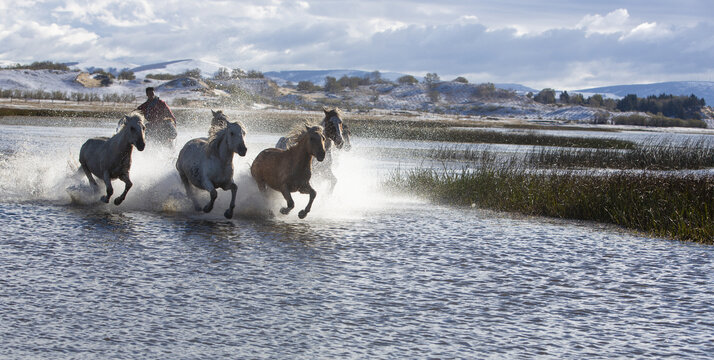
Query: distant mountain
point(317, 77)
point(178, 66)
point(518, 88)
point(702, 89)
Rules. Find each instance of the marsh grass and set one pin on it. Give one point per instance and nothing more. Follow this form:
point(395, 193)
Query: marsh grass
point(692, 154)
point(675, 206)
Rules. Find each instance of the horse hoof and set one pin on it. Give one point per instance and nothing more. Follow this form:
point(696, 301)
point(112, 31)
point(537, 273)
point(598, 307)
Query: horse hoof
point(104, 199)
point(207, 209)
point(228, 214)
point(285, 211)
point(118, 201)
point(302, 214)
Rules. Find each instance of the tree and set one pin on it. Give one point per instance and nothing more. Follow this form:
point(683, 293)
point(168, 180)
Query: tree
point(461, 79)
point(595, 100)
point(238, 73)
point(222, 74)
point(307, 86)
point(255, 74)
point(126, 74)
point(431, 79)
point(193, 73)
point(331, 85)
point(564, 97)
point(545, 96)
point(407, 80)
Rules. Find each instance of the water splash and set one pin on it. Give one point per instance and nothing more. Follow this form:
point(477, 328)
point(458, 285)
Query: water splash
point(31, 172)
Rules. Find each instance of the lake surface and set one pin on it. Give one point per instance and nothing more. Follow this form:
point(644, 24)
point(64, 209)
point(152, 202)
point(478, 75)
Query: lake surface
point(367, 274)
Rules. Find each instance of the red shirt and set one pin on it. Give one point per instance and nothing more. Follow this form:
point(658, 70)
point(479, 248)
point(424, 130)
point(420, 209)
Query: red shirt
point(156, 109)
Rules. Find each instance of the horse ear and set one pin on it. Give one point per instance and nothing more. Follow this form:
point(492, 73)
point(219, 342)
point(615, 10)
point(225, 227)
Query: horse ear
point(307, 128)
point(325, 109)
point(213, 112)
point(121, 122)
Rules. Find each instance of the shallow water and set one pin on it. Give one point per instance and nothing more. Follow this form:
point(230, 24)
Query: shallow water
point(367, 274)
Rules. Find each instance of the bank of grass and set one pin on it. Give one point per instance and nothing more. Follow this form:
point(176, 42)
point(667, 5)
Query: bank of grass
point(693, 154)
point(674, 206)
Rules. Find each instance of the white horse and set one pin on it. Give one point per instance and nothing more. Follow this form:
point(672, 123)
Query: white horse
point(207, 163)
point(110, 158)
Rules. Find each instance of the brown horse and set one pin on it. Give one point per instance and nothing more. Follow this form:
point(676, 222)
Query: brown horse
point(336, 132)
point(288, 171)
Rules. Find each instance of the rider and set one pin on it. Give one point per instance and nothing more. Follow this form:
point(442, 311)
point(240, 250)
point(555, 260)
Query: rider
point(154, 108)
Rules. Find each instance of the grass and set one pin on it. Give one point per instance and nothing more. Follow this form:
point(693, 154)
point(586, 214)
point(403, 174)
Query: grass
point(697, 154)
point(671, 206)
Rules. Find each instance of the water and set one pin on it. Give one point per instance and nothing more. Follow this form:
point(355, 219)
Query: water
point(367, 274)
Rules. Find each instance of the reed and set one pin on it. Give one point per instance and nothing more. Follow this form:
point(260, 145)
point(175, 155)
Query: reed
point(692, 154)
point(675, 206)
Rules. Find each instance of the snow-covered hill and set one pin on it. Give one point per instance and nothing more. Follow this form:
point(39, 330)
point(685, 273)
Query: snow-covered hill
point(318, 76)
point(702, 89)
point(444, 97)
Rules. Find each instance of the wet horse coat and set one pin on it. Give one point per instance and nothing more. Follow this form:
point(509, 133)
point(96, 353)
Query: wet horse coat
point(336, 132)
point(207, 163)
point(110, 158)
point(289, 171)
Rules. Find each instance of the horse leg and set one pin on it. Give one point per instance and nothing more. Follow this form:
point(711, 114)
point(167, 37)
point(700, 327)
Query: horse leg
point(127, 185)
point(289, 199)
point(307, 190)
point(208, 185)
point(234, 189)
point(108, 184)
point(189, 191)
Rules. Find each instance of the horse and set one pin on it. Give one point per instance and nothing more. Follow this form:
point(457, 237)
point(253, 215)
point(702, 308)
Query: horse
point(110, 158)
point(161, 132)
point(336, 131)
point(207, 163)
point(218, 122)
point(288, 171)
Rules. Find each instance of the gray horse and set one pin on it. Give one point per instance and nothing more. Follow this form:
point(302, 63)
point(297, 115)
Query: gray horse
point(207, 163)
point(110, 158)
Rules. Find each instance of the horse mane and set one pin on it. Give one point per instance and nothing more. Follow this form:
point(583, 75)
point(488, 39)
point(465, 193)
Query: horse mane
point(293, 136)
point(221, 124)
point(134, 114)
point(214, 140)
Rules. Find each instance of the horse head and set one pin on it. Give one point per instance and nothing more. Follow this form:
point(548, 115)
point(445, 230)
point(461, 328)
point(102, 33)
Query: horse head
point(235, 135)
point(133, 127)
point(333, 126)
point(316, 142)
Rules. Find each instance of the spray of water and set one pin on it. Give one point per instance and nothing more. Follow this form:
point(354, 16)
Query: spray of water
point(35, 172)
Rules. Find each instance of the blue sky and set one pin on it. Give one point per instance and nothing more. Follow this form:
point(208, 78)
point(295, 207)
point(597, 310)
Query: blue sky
point(555, 43)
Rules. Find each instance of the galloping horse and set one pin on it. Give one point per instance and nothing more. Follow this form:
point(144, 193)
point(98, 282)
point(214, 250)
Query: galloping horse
point(288, 171)
point(335, 131)
point(207, 163)
point(110, 158)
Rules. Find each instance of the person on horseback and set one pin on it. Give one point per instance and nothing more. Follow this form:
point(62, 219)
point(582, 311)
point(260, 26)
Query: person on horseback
point(160, 121)
point(154, 108)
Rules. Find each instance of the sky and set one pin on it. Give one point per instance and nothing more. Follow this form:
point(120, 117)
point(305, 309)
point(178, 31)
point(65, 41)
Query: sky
point(562, 44)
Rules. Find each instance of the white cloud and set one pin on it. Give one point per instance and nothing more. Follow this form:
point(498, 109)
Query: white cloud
point(615, 22)
point(648, 31)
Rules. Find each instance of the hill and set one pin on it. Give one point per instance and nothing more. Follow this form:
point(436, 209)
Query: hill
point(702, 89)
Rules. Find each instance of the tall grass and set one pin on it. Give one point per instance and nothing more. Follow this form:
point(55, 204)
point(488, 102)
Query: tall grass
point(662, 205)
point(691, 154)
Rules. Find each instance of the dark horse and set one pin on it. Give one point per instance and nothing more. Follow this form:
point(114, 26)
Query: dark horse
point(336, 131)
point(110, 158)
point(288, 171)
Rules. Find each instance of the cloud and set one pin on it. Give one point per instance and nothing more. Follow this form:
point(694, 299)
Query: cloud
point(453, 38)
point(615, 22)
